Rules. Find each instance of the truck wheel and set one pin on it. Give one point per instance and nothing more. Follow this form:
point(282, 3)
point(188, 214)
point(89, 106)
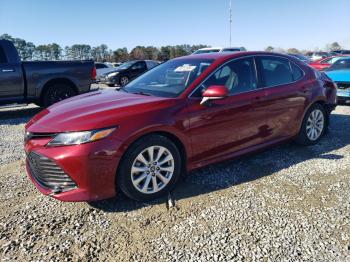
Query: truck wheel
point(56, 93)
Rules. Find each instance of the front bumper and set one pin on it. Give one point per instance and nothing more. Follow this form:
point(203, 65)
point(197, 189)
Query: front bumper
point(92, 167)
point(110, 80)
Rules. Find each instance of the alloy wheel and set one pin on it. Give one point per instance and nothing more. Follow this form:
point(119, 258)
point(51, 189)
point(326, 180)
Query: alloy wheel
point(152, 169)
point(315, 124)
point(124, 81)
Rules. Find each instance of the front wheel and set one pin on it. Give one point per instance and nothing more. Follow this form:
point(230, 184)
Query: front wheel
point(314, 125)
point(150, 168)
point(124, 80)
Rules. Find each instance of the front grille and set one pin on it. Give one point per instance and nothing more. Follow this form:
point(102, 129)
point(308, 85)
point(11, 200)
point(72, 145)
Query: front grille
point(343, 85)
point(48, 174)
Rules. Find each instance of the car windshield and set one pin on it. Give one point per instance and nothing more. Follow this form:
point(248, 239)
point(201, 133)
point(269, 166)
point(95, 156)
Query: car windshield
point(126, 65)
point(341, 64)
point(170, 78)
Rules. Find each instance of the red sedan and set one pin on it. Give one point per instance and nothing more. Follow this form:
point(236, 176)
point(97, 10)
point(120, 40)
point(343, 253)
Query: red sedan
point(184, 114)
point(325, 63)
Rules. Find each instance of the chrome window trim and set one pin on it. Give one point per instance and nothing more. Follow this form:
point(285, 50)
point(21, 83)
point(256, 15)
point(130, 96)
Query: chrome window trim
point(256, 73)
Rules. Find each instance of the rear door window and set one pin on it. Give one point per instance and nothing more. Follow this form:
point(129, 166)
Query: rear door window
point(275, 71)
point(3, 58)
point(139, 66)
point(297, 72)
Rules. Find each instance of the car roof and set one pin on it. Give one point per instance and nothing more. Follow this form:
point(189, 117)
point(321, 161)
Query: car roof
point(226, 56)
point(209, 48)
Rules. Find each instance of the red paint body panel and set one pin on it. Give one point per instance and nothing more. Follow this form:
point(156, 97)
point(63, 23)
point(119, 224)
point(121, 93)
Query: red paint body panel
point(229, 127)
point(321, 64)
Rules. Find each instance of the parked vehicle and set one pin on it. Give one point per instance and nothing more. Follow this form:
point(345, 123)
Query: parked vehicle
point(317, 55)
point(301, 57)
point(324, 63)
point(116, 64)
point(342, 52)
point(127, 72)
point(339, 72)
point(41, 82)
point(207, 50)
point(103, 68)
point(184, 114)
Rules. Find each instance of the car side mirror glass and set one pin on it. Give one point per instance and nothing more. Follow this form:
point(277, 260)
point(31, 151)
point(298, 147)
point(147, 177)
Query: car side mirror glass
point(214, 93)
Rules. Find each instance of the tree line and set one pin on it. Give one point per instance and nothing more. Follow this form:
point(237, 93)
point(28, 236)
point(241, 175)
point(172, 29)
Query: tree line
point(335, 46)
point(29, 52)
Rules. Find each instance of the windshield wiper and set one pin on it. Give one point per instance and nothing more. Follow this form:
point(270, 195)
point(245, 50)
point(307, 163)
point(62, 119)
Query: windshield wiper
point(141, 93)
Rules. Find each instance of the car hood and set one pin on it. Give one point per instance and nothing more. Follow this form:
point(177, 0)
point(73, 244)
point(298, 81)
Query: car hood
point(93, 110)
point(339, 75)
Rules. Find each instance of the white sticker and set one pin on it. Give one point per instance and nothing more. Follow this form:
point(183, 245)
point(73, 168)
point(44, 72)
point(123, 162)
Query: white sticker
point(185, 68)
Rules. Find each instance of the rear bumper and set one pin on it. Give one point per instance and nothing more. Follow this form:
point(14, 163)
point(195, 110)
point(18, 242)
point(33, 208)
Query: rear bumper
point(344, 100)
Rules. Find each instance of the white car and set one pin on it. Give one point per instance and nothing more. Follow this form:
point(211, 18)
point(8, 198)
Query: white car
point(103, 68)
point(217, 50)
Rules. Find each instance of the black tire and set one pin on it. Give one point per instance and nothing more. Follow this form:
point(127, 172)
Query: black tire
point(302, 138)
point(55, 93)
point(124, 80)
point(110, 85)
point(124, 174)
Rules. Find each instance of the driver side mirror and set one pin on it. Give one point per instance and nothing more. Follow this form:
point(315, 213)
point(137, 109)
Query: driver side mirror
point(214, 93)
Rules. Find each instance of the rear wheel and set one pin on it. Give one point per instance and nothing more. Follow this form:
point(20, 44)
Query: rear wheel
point(150, 168)
point(56, 93)
point(314, 125)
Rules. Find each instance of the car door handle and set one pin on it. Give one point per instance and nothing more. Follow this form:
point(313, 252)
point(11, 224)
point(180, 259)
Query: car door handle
point(7, 70)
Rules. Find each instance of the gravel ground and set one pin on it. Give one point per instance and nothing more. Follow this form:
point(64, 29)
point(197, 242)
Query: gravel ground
point(288, 203)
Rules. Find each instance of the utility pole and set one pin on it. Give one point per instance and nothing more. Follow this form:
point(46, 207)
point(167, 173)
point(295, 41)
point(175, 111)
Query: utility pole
point(230, 23)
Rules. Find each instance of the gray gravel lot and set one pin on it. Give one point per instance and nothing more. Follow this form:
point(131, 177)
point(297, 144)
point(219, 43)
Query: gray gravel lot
point(288, 203)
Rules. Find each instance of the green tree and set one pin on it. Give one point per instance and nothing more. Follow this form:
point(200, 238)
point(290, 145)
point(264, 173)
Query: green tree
point(293, 51)
point(335, 46)
point(120, 55)
point(139, 52)
point(25, 49)
point(269, 49)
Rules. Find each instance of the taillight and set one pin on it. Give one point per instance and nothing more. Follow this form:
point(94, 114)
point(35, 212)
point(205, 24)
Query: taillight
point(93, 73)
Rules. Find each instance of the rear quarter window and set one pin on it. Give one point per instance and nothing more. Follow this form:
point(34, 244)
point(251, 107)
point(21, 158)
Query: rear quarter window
point(3, 58)
point(99, 66)
point(297, 72)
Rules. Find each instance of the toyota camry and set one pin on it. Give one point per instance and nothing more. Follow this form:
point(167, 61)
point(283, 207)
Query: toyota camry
point(184, 114)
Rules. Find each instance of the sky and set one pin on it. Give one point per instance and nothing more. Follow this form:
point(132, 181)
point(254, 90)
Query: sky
point(256, 24)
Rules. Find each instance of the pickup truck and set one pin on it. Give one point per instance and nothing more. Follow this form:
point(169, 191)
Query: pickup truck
point(41, 82)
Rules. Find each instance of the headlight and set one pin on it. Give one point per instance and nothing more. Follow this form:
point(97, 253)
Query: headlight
point(113, 74)
point(76, 138)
